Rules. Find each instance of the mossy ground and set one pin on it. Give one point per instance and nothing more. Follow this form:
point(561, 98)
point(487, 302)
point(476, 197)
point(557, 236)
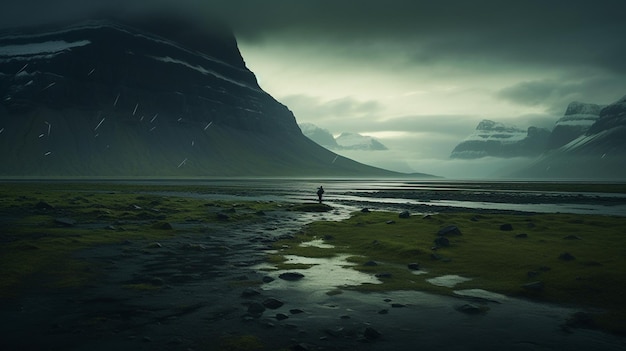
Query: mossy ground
point(495, 260)
point(36, 250)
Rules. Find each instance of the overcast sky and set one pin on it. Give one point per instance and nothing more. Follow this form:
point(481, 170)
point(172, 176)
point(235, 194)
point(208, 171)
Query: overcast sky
point(418, 75)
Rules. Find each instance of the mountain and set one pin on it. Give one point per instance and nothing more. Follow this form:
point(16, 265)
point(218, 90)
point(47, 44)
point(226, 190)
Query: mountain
point(499, 140)
point(319, 135)
point(146, 97)
point(345, 141)
point(599, 153)
point(577, 120)
point(356, 141)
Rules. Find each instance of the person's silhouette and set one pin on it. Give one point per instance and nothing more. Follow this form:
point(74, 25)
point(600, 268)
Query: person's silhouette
point(320, 192)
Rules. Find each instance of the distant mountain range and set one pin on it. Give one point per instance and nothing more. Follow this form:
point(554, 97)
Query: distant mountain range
point(146, 97)
point(345, 141)
point(589, 141)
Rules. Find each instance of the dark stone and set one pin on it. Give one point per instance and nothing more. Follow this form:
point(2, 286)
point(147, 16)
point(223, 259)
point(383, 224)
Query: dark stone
point(281, 316)
point(534, 286)
point(414, 266)
point(222, 217)
point(66, 222)
point(507, 227)
point(249, 292)
point(371, 333)
point(442, 241)
point(471, 309)
point(521, 236)
point(272, 303)
point(383, 311)
point(268, 279)
point(291, 276)
point(390, 222)
point(256, 308)
point(398, 305)
point(365, 210)
point(42, 205)
point(427, 217)
point(370, 264)
point(296, 311)
point(404, 214)
point(449, 230)
point(383, 275)
point(566, 256)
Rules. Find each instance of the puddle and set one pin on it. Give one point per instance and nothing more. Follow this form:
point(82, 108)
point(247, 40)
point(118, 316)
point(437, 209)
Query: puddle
point(448, 281)
point(482, 294)
point(325, 273)
point(319, 243)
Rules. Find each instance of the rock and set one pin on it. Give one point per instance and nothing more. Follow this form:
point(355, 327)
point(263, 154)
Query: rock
point(371, 333)
point(414, 266)
point(390, 222)
point(272, 303)
point(449, 230)
point(256, 308)
point(442, 241)
point(521, 236)
point(154, 245)
point(397, 305)
point(66, 222)
point(383, 275)
point(42, 205)
point(566, 256)
point(370, 264)
point(534, 286)
point(471, 309)
point(383, 311)
point(267, 279)
point(296, 311)
point(365, 210)
point(222, 217)
point(249, 292)
point(404, 214)
point(506, 227)
point(571, 237)
point(291, 276)
point(281, 316)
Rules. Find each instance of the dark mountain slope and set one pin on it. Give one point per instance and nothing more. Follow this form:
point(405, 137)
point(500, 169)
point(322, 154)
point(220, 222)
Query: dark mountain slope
point(153, 97)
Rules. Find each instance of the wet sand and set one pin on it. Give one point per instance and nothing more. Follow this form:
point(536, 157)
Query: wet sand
point(200, 293)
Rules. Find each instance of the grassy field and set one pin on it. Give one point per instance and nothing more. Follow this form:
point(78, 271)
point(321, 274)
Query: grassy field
point(580, 260)
point(42, 225)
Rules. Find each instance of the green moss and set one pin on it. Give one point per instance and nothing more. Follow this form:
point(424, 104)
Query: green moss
point(37, 251)
point(494, 259)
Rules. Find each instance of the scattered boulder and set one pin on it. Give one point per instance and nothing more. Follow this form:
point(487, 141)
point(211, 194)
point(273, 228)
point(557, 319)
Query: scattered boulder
point(370, 263)
point(449, 231)
point(267, 279)
point(365, 210)
point(256, 308)
point(521, 236)
point(296, 311)
point(507, 227)
point(566, 256)
point(66, 222)
point(390, 222)
point(281, 316)
point(442, 241)
point(42, 205)
point(383, 275)
point(371, 333)
point(534, 286)
point(249, 292)
point(404, 214)
point(469, 308)
point(272, 303)
point(291, 276)
point(414, 266)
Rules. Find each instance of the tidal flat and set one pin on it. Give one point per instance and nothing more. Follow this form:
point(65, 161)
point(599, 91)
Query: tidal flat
point(180, 265)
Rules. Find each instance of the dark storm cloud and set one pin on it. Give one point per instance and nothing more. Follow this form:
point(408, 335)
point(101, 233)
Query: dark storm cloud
point(577, 32)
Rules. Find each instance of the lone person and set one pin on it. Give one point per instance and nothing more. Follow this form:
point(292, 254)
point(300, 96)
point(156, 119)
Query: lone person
point(320, 192)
